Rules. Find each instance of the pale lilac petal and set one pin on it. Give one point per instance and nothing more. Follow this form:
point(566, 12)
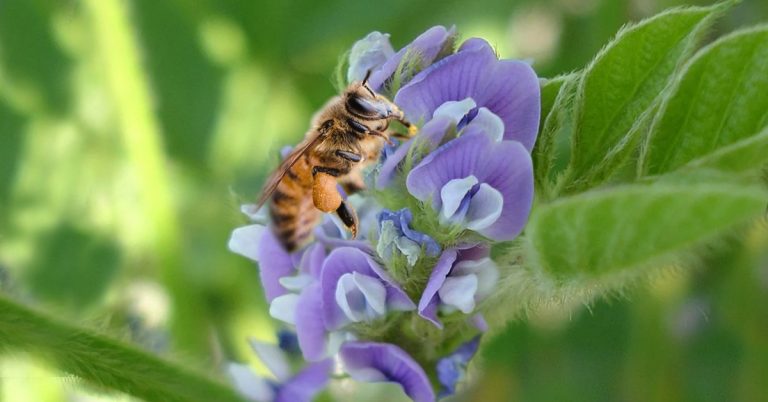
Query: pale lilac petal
point(274, 263)
point(296, 283)
point(452, 368)
point(348, 260)
point(273, 357)
point(485, 208)
point(430, 137)
point(307, 383)
point(310, 328)
point(245, 241)
point(453, 193)
point(505, 166)
point(368, 54)
point(456, 110)
point(459, 292)
point(312, 260)
point(426, 46)
point(428, 301)
point(361, 297)
point(478, 321)
point(489, 123)
point(378, 362)
point(283, 308)
point(250, 385)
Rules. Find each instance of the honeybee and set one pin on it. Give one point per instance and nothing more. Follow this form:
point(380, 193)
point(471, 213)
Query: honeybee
point(346, 135)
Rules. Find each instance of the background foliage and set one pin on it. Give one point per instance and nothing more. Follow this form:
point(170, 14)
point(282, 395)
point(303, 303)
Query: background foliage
point(131, 131)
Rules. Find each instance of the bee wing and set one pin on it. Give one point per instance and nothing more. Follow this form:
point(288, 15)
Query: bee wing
point(274, 180)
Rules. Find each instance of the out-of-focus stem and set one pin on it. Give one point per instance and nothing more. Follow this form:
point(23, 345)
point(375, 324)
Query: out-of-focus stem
point(141, 137)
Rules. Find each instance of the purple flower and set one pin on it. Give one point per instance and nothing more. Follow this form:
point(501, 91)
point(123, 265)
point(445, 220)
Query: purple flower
point(452, 368)
point(426, 47)
point(368, 54)
point(396, 235)
point(356, 289)
point(379, 362)
point(460, 279)
point(257, 243)
point(507, 88)
point(478, 184)
point(286, 387)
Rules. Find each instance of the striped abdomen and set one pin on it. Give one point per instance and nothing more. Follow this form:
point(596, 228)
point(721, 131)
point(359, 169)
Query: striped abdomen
point(293, 213)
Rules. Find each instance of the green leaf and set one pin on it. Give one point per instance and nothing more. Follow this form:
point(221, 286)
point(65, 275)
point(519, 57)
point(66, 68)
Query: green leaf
point(747, 154)
point(609, 232)
point(557, 97)
point(715, 108)
point(102, 361)
point(624, 81)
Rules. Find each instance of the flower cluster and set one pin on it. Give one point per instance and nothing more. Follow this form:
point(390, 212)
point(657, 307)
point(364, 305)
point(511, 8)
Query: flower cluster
point(403, 302)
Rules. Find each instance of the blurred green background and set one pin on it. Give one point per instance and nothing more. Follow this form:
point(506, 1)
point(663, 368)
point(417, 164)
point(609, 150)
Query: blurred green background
point(130, 132)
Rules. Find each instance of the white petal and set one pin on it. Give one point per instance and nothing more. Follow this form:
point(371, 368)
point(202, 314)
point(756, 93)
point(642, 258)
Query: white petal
point(250, 385)
point(283, 308)
point(368, 53)
point(296, 283)
point(459, 292)
point(344, 286)
point(484, 208)
point(490, 123)
point(453, 192)
point(274, 358)
point(456, 110)
point(486, 271)
point(374, 291)
point(260, 215)
point(245, 241)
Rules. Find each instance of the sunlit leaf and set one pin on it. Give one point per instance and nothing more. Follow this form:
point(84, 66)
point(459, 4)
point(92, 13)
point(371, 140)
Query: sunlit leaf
point(716, 108)
point(611, 231)
point(623, 82)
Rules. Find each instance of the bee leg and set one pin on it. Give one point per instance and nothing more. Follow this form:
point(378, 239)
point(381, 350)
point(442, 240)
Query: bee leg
point(348, 217)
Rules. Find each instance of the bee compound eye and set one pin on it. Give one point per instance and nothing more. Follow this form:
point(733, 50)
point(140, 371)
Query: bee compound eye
point(362, 107)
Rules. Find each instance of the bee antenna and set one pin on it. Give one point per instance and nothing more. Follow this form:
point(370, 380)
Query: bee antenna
point(365, 82)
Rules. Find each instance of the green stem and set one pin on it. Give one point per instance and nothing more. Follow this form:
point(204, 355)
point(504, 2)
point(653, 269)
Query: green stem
point(142, 139)
point(104, 362)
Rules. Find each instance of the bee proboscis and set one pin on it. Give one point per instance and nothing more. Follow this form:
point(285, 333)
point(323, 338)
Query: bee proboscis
point(346, 135)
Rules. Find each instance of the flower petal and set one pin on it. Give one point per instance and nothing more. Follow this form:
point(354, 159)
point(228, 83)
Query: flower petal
point(245, 241)
point(377, 362)
point(485, 208)
point(344, 260)
point(430, 136)
point(273, 357)
point(512, 92)
point(307, 383)
point(453, 193)
point(283, 308)
point(489, 123)
point(426, 46)
point(505, 166)
point(310, 328)
point(452, 368)
point(454, 78)
point(510, 89)
point(250, 385)
point(459, 292)
point(428, 301)
point(368, 54)
point(456, 110)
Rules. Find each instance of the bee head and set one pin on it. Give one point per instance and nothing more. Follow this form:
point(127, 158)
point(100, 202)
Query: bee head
point(361, 101)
